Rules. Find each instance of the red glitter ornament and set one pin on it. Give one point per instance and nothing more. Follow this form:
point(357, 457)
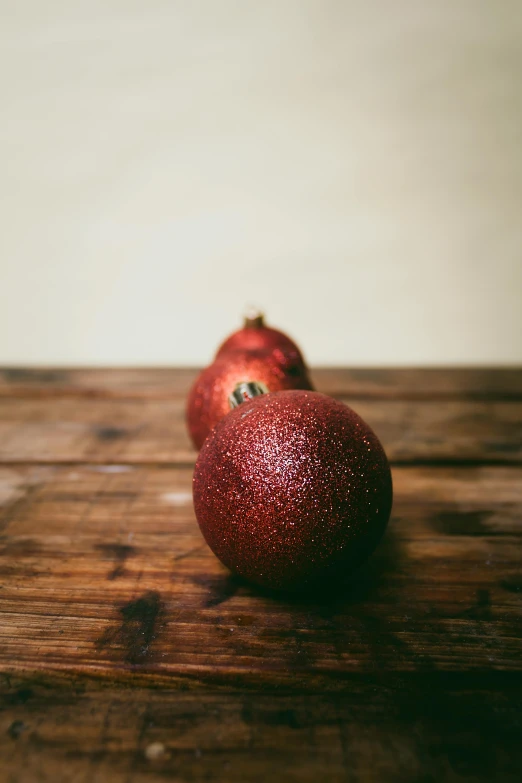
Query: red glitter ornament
point(256, 336)
point(292, 489)
point(208, 400)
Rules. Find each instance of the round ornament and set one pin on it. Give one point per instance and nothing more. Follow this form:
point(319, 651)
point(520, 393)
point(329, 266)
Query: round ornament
point(292, 489)
point(257, 336)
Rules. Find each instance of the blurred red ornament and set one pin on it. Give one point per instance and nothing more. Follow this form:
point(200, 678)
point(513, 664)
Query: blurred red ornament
point(292, 489)
point(208, 400)
point(256, 336)
point(255, 352)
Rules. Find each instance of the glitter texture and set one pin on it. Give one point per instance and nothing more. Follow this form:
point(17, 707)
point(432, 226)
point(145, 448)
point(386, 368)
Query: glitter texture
point(291, 489)
point(208, 399)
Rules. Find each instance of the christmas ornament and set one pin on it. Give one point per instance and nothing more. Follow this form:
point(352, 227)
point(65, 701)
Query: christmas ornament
point(256, 336)
point(292, 489)
point(208, 400)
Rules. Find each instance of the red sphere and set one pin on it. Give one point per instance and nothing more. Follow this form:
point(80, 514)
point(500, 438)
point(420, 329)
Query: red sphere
point(208, 400)
point(292, 489)
point(258, 337)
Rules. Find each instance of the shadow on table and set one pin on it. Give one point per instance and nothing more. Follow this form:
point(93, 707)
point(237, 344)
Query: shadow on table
point(358, 587)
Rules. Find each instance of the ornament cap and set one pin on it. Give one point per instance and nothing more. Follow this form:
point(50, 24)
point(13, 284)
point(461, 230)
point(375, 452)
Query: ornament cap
point(254, 319)
point(246, 390)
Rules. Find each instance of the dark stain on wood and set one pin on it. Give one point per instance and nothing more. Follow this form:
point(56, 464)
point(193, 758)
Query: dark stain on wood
point(16, 728)
point(483, 604)
point(119, 554)
point(109, 434)
point(468, 523)
point(512, 583)
point(138, 630)
point(19, 696)
point(481, 609)
point(27, 693)
point(483, 598)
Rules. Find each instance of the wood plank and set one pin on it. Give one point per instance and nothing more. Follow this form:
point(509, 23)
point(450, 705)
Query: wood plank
point(104, 572)
point(123, 383)
point(64, 429)
point(503, 383)
point(412, 727)
point(129, 653)
point(500, 383)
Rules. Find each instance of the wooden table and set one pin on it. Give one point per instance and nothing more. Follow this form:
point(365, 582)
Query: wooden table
point(128, 653)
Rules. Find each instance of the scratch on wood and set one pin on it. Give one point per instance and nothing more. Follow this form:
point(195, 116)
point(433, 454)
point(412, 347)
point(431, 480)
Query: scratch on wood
point(189, 552)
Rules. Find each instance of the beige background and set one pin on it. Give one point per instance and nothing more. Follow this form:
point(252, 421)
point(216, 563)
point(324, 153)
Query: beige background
point(353, 167)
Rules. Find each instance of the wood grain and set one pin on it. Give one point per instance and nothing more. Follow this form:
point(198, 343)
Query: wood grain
point(128, 653)
point(107, 572)
point(403, 729)
point(164, 383)
point(65, 429)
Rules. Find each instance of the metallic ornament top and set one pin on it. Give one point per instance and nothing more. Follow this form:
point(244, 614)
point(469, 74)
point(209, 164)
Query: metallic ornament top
point(292, 489)
point(246, 391)
point(208, 400)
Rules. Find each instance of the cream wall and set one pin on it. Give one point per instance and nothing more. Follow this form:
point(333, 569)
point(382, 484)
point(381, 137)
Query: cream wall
point(353, 167)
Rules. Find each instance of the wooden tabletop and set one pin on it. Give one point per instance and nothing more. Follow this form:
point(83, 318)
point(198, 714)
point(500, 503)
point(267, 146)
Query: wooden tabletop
point(128, 653)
